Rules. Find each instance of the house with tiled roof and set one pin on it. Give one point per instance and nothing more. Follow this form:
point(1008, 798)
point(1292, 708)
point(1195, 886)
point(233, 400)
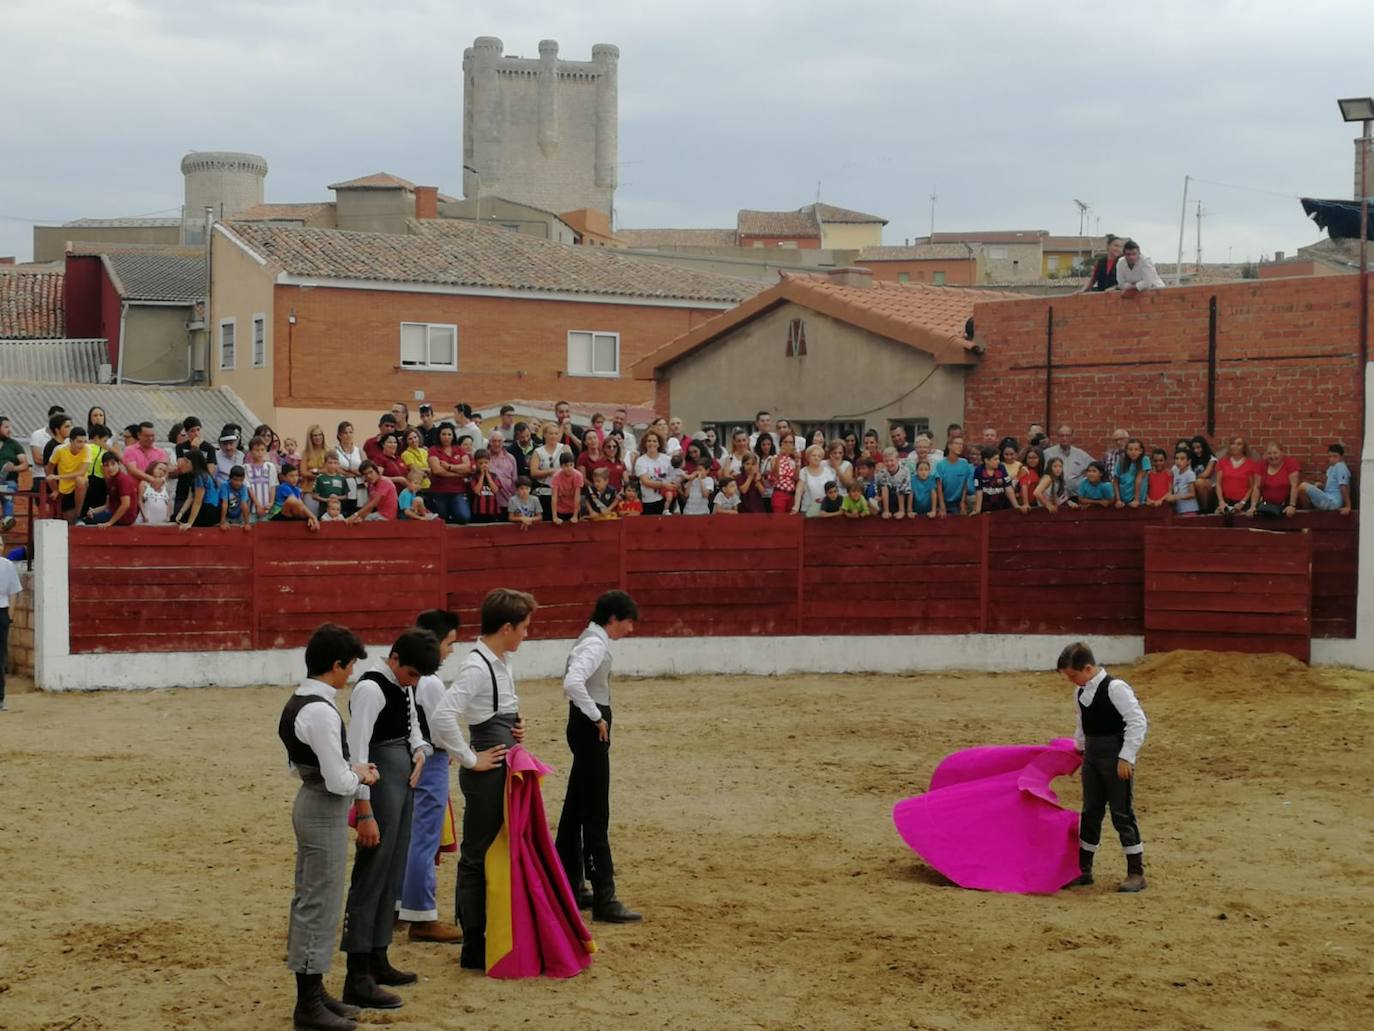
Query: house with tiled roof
point(840, 352)
point(31, 305)
point(818, 225)
point(937, 264)
point(310, 323)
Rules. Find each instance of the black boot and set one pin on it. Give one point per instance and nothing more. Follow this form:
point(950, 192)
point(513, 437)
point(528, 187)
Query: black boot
point(608, 909)
point(1135, 874)
point(1085, 869)
point(341, 1009)
point(584, 895)
point(384, 973)
point(311, 1013)
point(360, 989)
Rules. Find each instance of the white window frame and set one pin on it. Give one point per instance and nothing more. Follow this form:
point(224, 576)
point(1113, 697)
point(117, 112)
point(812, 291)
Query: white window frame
point(594, 333)
point(259, 341)
point(234, 348)
point(428, 366)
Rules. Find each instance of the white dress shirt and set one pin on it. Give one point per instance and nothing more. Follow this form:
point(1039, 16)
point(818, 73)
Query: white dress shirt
point(468, 701)
point(364, 707)
point(429, 694)
point(318, 726)
point(587, 656)
point(471, 429)
point(1121, 696)
point(1142, 277)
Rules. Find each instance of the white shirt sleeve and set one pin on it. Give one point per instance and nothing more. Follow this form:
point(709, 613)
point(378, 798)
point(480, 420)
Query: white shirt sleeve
point(587, 656)
point(364, 707)
point(417, 738)
point(1079, 741)
point(446, 725)
point(1124, 699)
point(318, 726)
point(9, 581)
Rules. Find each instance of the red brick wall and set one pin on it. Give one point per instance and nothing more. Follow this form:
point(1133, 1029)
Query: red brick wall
point(344, 350)
point(957, 273)
point(1287, 365)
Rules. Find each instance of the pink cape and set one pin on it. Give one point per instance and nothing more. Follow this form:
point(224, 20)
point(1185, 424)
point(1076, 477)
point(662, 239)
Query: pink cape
point(533, 925)
point(990, 820)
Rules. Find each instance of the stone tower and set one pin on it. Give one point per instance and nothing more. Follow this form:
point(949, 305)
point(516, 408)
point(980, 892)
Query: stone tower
point(226, 182)
point(540, 131)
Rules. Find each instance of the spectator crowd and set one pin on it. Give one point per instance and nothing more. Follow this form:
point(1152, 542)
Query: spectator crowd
point(523, 472)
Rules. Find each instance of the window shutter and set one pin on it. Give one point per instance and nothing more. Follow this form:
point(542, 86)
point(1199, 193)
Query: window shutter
point(605, 359)
point(443, 347)
point(580, 354)
point(414, 344)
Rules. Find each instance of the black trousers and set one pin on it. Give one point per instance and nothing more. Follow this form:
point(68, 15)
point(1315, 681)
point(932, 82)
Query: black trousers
point(1103, 790)
point(484, 810)
point(4, 647)
point(584, 840)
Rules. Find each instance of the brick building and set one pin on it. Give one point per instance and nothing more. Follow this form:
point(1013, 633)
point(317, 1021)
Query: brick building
point(938, 264)
point(314, 325)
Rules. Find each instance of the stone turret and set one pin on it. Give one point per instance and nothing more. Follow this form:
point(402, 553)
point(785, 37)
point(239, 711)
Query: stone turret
point(224, 181)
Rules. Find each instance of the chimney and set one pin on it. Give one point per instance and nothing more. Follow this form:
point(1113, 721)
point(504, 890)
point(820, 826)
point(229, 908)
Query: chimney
point(851, 276)
point(426, 202)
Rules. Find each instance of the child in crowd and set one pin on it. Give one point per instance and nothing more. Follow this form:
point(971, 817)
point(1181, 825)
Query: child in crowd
point(235, 503)
point(382, 502)
point(333, 511)
point(155, 504)
point(672, 489)
point(261, 476)
point(994, 490)
point(485, 506)
point(830, 504)
point(1052, 493)
point(697, 488)
point(523, 507)
point(727, 498)
point(955, 476)
point(411, 504)
point(291, 453)
point(630, 505)
point(331, 482)
point(1095, 490)
point(599, 499)
point(926, 498)
point(1032, 469)
point(1159, 480)
point(894, 486)
point(785, 470)
point(1335, 496)
point(287, 503)
point(855, 505)
point(567, 486)
point(750, 481)
point(866, 473)
point(1183, 484)
point(1129, 474)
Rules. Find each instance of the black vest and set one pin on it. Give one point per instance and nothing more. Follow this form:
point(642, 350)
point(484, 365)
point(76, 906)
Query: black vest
point(297, 750)
point(1103, 279)
point(394, 720)
point(1101, 718)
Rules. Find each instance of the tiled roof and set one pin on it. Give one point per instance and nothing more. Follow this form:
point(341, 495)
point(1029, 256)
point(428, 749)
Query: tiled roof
point(31, 305)
point(137, 222)
point(677, 237)
point(457, 253)
point(830, 213)
point(318, 212)
point(1074, 243)
point(157, 277)
point(919, 252)
point(52, 361)
point(97, 248)
point(991, 236)
point(927, 318)
point(800, 223)
point(375, 181)
point(26, 404)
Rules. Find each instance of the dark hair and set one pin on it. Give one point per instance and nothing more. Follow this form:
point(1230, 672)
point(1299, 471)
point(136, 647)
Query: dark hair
point(990, 452)
point(1076, 656)
point(1184, 452)
point(385, 420)
point(867, 463)
point(523, 481)
point(566, 458)
point(504, 606)
point(54, 409)
point(761, 413)
point(91, 411)
point(237, 472)
point(439, 622)
point(1124, 463)
point(366, 465)
point(758, 445)
point(99, 432)
point(191, 423)
point(1158, 451)
point(831, 485)
point(76, 431)
point(1008, 442)
point(345, 425)
point(286, 467)
point(465, 408)
point(507, 409)
point(1102, 469)
point(55, 421)
point(109, 458)
point(418, 649)
point(1336, 449)
point(257, 442)
point(134, 428)
point(480, 454)
point(614, 605)
point(195, 458)
point(331, 645)
point(1207, 453)
point(172, 433)
point(521, 426)
point(465, 436)
point(1130, 245)
point(1112, 237)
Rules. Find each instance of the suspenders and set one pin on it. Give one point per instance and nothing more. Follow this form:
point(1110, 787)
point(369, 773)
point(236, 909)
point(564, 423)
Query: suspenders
point(495, 698)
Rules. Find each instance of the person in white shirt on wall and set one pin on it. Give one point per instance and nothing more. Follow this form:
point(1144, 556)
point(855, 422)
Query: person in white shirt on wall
point(1109, 730)
point(384, 729)
point(483, 697)
point(1135, 271)
point(312, 729)
point(584, 828)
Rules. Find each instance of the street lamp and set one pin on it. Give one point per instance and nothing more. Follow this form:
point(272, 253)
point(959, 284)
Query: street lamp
point(1361, 109)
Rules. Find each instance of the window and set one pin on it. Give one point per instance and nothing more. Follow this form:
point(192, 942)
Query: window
point(226, 345)
point(593, 353)
point(937, 279)
point(259, 341)
point(427, 345)
point(1052, 263)
point(796, 339)
point(904, 277)
point(997, 253)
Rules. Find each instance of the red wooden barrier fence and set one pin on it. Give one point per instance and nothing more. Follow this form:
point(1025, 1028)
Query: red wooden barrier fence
point(158, 589)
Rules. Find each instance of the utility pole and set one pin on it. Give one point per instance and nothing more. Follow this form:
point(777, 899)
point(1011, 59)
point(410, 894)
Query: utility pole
point(1199, 236)
point(933, 198)
point(1182, 218)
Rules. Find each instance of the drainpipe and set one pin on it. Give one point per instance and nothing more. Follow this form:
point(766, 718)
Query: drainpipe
point(119, 362)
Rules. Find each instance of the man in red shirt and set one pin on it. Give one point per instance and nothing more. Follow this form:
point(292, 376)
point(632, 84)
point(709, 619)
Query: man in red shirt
point(121, 505)
point(372, 447)
point(382, 502)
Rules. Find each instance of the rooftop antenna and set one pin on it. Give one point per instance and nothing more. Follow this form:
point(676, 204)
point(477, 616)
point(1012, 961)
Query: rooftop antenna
point(1083, 208)
point(933, 198)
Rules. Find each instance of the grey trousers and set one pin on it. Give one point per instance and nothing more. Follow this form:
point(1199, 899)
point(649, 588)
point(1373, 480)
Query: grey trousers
point(320, 820)
point(378, 872)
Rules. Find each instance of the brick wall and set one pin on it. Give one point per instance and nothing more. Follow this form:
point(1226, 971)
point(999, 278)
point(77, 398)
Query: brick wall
point(958, 271)
point(1287, 366)
point(19, 658)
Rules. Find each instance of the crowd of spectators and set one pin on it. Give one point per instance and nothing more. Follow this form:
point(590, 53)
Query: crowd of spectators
point(523, 472)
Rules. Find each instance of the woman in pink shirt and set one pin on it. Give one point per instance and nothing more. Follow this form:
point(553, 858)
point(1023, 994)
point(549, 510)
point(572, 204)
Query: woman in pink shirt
point(1278, 484)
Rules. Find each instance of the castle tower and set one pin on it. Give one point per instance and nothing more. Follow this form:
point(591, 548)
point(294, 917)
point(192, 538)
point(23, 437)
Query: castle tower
point(226, 182)
point(541, 131)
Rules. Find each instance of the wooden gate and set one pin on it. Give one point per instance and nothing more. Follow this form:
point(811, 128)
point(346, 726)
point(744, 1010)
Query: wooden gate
point(1237, 589)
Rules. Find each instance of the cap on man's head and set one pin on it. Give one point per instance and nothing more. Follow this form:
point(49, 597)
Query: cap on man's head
point(225, 438)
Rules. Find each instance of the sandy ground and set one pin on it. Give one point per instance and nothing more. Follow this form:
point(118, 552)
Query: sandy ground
point(145, 863)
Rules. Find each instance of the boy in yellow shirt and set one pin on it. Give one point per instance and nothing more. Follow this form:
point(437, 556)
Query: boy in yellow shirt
point(72, 465)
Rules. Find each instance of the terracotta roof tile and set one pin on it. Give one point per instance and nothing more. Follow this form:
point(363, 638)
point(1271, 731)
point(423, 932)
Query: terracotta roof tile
point(830, 213)
point(457, 253)
point(31, 306)
point(801, 223)
point(677, 237)
point(375, 181)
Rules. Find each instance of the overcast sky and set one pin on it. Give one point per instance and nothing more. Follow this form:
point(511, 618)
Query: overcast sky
point(1008, 111)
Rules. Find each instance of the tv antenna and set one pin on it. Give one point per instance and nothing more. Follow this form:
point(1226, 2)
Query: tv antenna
point(1083, 208)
